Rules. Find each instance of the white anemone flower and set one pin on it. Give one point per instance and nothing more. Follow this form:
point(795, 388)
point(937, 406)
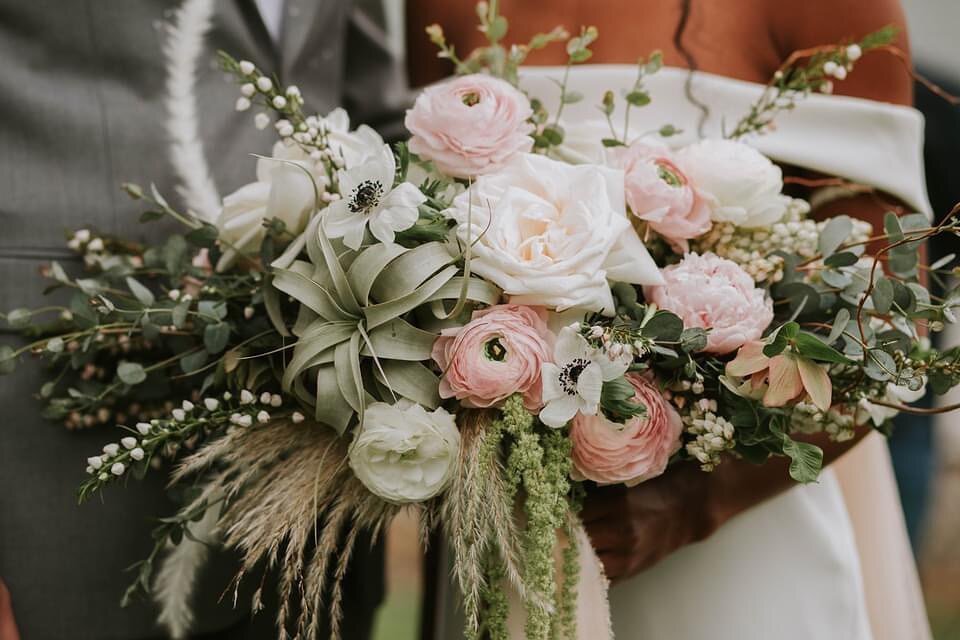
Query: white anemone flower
point(574, 381)
point(368, 197)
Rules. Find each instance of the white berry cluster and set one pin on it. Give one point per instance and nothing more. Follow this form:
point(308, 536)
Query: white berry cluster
point(616, 342)
point(807, 418)
point(258, 85)
point(840, 67)
point(752, 249)
point(714, 434)
point(164, 436)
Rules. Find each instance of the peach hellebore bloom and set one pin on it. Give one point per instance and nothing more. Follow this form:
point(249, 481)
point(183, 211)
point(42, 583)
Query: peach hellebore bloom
point(788, 375)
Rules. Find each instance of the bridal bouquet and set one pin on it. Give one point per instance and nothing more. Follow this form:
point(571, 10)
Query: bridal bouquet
point(476, 324)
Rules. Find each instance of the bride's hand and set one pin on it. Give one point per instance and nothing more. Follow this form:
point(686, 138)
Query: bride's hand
point(633, 528)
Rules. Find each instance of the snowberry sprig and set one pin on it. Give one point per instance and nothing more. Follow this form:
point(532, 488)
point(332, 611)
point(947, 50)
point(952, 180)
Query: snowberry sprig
point(164, 437)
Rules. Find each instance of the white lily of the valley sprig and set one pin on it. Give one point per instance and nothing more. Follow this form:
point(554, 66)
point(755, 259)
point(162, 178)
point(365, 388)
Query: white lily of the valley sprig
point(574, 381)
point(368, 197)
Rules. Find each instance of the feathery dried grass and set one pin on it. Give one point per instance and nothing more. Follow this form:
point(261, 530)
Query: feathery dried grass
point(291, 502)
point(182, 50)
point(477, 512)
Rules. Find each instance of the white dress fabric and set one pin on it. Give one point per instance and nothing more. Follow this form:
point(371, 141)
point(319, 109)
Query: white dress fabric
point(789, 568)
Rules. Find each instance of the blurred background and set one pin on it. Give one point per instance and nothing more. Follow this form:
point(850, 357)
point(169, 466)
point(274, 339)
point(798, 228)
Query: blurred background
point(926, 451)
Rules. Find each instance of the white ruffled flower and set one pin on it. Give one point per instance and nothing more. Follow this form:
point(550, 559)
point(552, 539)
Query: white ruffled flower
point(370, 198)
point(894, 394)
point(283, 190)
point(403, 453)
point(350, 147)
point(552, 234)
point(743, 185)
point(574, 381)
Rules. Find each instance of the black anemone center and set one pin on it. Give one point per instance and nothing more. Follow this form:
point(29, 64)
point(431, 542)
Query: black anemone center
point(494, 350)
point(570, 374)
point(366, 197)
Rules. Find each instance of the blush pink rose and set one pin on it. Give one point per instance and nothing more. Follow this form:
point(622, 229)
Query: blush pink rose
point(470, 125)
point(716, 294)
point(660, 193)
point(498, 353)
point(638, 450)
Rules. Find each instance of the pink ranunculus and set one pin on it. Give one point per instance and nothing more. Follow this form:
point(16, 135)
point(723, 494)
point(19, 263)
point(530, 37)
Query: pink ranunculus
point(609, 452)
point(716, 294)
point(660, 193)
point(498, 353)
point(470, 125)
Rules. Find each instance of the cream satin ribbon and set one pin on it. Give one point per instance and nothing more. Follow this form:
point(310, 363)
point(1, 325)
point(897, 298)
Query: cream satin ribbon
point(593, 605)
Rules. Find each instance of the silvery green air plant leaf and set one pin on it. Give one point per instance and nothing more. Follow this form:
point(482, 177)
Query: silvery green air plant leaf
point(355, 344)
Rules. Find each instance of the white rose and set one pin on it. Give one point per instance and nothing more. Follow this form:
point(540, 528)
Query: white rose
point(402, 453)
point(552, 234)
point(282, 191)
point(744, 186)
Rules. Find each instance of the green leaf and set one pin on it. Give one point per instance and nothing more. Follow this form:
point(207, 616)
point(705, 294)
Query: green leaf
point(210, 310)
point(150, 330)
point(8, 359)
point(617, 398)
point(880, 365)
point(664, 326)
point(882, 295)
point(891, 225)
point(193, 361)
point(811, 347)
point(19, 318)
point(612, 142)
point(150, 215)
point(497, 29)
point(131, 373)
point(215, 337)
point(553, 134)
point(411, 380)
point(840, 323)
point(842, 259)
point(140, 292)
point(693, 339)
point(834, 233)
point(638, 98)
point(205, 236)
point(806, 460)
point(179, 314)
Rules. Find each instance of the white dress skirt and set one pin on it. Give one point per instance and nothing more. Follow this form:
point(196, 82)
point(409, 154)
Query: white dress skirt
point(793, 567)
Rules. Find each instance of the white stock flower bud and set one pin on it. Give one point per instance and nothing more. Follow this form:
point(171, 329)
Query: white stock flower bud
point(117, 469)
point(264, 83)
point(211, 404)
point(246, 67)
point(137, 454)
point(129, 442)
point(247, 90)
point(111, 449)
point(242, 104)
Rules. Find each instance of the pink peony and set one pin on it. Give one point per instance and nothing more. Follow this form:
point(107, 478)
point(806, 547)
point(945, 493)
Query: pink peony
point(609, 452)
point(498, 353)
point(660, 193)
point(716, 294)
point(470, 125)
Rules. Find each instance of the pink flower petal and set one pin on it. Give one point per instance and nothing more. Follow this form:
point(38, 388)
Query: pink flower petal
point(816, 381)
point(785, 381)
point(749, 360)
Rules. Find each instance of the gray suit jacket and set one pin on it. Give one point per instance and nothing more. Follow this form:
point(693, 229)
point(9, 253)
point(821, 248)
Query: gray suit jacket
point(81, 86)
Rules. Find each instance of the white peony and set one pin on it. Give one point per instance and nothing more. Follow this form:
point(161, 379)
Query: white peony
point(552, 234)
point(402, 453)
point(743, 185)
point(282, 191)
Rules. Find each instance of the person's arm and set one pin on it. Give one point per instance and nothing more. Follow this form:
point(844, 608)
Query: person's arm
point(634, 528)
point(8, 625)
